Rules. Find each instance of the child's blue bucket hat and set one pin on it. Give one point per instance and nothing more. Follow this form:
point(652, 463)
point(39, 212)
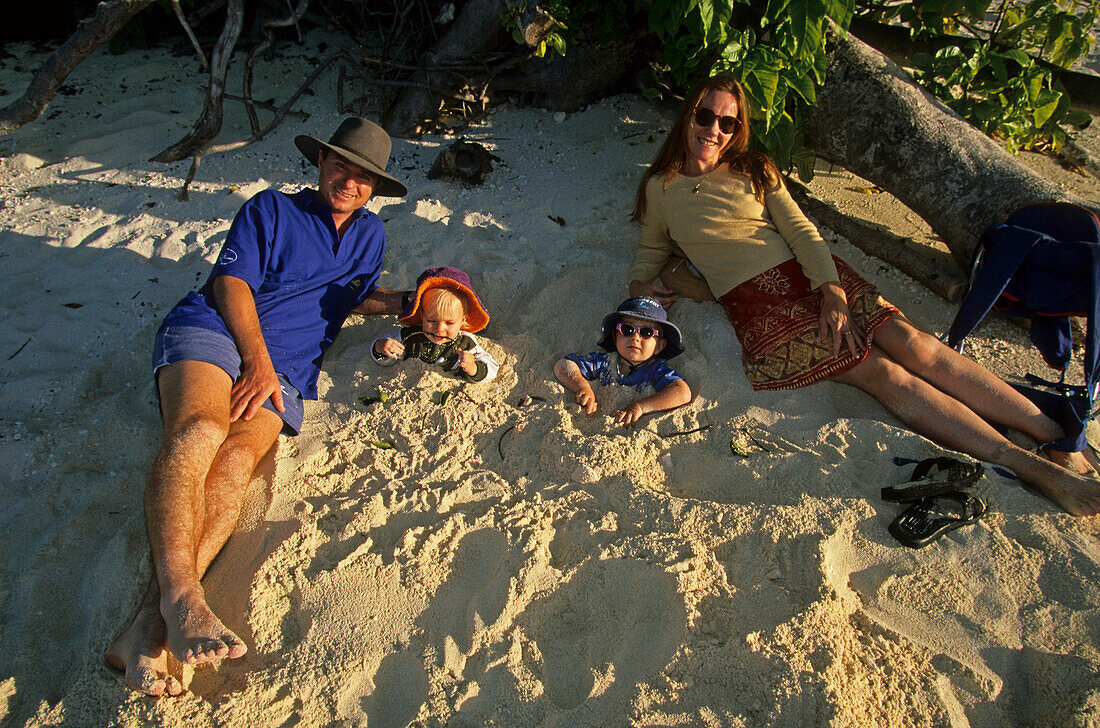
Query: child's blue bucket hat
point(646, 309)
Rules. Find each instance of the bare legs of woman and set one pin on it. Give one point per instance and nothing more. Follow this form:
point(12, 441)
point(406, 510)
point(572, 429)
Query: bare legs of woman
point(193, 498)
point(951, 400)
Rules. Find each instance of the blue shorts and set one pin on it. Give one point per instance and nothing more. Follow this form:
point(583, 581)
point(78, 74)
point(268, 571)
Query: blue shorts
point(192, 343)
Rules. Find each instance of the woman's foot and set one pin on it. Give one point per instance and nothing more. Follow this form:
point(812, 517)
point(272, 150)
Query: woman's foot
point(1082, 463)
point(193, 633)
point(139, 652)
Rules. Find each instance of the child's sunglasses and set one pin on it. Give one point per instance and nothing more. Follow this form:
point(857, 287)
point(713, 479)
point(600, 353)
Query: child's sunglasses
point(704, 117)
point(645, 332)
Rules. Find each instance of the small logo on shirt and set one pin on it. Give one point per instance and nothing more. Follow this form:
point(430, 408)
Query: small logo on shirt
point(228, 257)
point(356, 283)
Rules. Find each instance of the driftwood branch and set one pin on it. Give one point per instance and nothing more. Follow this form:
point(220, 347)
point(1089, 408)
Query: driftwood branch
point(178, 10)
point(269, 27)
point(210, 122)
point(108, 19)
point(883, 244)
point(281, 113)
point(875, 120)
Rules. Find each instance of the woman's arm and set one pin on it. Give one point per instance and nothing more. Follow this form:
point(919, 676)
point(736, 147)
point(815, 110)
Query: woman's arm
point(672, 396)
point(652, 254)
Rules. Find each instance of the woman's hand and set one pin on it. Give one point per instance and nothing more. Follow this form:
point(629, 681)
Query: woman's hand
point(836, 319)
point(665, 296)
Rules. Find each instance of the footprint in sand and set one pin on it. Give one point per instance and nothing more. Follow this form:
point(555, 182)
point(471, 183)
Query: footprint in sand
point(400, 688)
point(616, 624)
point(475, 593)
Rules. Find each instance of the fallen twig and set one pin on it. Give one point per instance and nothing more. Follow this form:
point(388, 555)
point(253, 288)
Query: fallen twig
point(500, 449)
point(19, 349)
point(701, 428)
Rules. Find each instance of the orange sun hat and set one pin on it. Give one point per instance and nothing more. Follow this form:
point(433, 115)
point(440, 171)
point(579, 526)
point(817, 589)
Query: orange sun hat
point(452, 279)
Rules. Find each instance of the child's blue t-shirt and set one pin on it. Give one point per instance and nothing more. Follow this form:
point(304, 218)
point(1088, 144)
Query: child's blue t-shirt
point(603, 365)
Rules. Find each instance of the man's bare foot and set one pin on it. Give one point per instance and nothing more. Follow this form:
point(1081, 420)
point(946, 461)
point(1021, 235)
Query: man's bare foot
point(139, 652)
point(194, 634)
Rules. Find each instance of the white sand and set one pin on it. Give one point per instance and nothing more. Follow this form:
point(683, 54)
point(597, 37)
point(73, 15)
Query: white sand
point(502, 565)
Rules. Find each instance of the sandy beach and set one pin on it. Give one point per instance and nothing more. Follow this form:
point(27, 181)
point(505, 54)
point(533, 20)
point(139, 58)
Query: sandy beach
point(498, 559)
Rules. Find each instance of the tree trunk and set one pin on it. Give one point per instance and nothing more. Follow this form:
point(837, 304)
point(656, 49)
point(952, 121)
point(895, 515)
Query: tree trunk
point(873, 119)
point(475, 30)
point(108, 19)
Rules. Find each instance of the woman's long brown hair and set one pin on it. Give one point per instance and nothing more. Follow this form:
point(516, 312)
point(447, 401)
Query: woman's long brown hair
point(673, 153)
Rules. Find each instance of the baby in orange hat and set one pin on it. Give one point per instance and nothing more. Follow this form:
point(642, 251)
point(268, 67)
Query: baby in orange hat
point(440, 320)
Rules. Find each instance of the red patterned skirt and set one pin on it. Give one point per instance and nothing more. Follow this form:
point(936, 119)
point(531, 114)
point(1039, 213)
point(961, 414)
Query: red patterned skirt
point(776, 317)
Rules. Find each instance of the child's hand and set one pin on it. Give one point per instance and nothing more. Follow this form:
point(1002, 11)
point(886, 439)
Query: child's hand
point(467, 362)
point(389, 348)
point(587, 399)
point(629, 415)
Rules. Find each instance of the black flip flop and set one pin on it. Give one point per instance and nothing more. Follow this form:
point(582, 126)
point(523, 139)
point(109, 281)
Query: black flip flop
point(936, 505)
point(925, 520)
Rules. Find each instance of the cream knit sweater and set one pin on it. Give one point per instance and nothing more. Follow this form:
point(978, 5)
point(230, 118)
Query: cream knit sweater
point(728, 236)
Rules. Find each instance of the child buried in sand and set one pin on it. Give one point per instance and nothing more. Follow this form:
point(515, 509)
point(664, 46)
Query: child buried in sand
point(440, 319)
point(637, 339)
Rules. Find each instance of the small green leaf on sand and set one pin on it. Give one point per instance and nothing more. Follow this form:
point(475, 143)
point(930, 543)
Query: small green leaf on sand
point(737, 449)
point(382, 444)
point(445, 397)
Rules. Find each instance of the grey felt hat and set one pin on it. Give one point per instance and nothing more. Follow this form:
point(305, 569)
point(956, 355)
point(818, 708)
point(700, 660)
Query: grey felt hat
point(646, 309)
point(362, 142)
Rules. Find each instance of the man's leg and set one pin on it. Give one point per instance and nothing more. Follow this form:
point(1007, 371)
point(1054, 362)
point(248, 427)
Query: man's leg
point(192, 499)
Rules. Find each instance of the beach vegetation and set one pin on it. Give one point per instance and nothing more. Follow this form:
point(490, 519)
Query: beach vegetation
point(994, 62)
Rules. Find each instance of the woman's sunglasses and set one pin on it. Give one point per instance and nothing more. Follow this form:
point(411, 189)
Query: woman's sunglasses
point(704, 117)
point(645, 332)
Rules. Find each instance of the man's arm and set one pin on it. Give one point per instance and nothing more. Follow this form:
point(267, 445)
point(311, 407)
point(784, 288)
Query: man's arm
point(381, 301)
point(237, 307)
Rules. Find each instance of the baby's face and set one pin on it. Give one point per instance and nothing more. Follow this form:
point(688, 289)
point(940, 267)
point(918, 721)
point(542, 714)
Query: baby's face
point(634, 348)
point(442, 325)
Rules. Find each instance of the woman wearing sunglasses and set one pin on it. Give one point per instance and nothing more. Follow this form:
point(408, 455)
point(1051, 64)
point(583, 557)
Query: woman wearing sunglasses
point(803, 315)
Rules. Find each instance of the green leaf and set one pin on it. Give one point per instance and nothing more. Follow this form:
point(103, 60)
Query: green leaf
point(802, 85)
point(382, 445)
point(1042, 114)
point(806, 18)
point(804, 160)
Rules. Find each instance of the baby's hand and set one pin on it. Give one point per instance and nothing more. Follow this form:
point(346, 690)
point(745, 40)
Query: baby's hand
point(629, 415)
point(587, 399)
point(389, 348)
point(467, 362)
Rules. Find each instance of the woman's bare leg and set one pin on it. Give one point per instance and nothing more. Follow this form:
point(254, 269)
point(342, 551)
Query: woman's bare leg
point(975, 386)
point(947, 421)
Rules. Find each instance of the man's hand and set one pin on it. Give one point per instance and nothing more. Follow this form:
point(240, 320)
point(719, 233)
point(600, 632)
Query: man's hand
point(256, 384)
point(389, 349)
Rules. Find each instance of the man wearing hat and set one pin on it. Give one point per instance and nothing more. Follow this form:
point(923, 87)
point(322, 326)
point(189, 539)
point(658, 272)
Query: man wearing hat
point(233, 362)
